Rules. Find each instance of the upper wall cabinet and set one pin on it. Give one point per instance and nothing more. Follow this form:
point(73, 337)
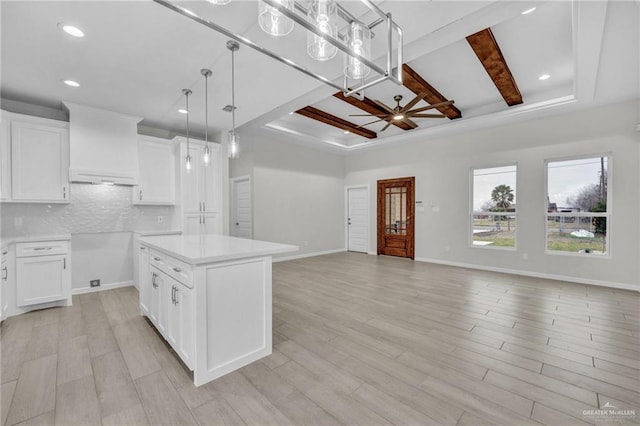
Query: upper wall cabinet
point(157, 172)
point(39, 166)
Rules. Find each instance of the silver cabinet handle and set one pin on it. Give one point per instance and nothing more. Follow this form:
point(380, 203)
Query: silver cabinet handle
point(64, 263)
point(143, 248)
point(157, 259)
point(64, 192)
point(173, 295)
point(6, 273)
point(141, 195)
point(42, 248)
point(204, 220)
point(177, 269)
point(175, 302)
point(5, 252)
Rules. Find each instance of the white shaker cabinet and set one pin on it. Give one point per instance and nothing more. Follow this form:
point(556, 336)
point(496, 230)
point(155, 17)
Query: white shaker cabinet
point(43, 272)
point(180, 320)
point(144, 279)
point(39, 161)
point(156, 160)
point(6, 281)
point(5, 159)
point(200, 189)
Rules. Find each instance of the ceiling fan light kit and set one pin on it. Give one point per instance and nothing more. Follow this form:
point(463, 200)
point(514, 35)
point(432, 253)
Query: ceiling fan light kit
point(403, 113)
point(278, 17)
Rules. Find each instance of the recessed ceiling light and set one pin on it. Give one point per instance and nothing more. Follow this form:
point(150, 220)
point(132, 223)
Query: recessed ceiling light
point(346, 132)
point(71, 30)
point(183, 111)
point(291, 113)
point(71, 83)
point(528, 11)
point(544, 77)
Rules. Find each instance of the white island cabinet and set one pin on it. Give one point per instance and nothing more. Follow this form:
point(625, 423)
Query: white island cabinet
point(210, 298)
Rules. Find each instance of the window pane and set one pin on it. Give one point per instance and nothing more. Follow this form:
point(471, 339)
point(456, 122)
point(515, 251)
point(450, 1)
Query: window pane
point(494, 207)
point(577, 186)
point(577, 234)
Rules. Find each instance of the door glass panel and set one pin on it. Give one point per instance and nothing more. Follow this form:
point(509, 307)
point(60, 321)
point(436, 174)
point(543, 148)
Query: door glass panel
point(395, 211)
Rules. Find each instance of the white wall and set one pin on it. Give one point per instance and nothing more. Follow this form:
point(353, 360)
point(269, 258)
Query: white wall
point(298, 193)
point(441, 167)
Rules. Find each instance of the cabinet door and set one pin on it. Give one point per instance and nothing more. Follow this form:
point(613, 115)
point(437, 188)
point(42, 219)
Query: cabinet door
point(173, 317)
point(184, 311)
point(42, 279)
point(39, 162)
point(212, 180)
point(211, 223)
point(192, 181)
point(157, 173)
point(144, 279)
point(192, 224)
point(5, 160)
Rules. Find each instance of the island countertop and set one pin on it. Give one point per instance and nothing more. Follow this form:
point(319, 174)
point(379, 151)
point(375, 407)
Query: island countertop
point(202, 249)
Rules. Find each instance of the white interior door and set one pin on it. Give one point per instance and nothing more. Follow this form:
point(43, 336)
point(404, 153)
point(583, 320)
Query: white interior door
point(358, 219)
point(241, 207)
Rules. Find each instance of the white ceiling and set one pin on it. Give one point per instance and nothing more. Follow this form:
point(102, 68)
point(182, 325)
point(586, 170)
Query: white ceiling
point(137, 56)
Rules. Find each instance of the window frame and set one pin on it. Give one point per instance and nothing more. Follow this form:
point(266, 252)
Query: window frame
point(608, 214)
point(471, 213)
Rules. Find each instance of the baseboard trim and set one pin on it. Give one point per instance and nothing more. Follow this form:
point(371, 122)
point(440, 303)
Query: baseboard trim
point(104, 287)
point(578, 280)
point(302, 256)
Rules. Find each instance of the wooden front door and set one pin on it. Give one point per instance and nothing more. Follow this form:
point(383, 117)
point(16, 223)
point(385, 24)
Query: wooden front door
point(396, 217)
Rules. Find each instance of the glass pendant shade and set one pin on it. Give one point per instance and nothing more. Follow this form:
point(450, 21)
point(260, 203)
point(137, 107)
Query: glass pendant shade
point(187, 163)
point(206, 156)
point(359, 40)
point(272, 21)
point(322, 14)
point(234, 145)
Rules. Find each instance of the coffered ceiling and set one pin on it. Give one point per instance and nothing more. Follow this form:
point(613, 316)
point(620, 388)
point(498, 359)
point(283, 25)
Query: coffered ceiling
point(138, 55)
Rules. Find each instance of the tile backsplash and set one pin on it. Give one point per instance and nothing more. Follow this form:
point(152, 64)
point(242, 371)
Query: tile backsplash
point(93, 209)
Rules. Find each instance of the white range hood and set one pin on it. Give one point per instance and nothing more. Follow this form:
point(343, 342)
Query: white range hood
point(103, 146)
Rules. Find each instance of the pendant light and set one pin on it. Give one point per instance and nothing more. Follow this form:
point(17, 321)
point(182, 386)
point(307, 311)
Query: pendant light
point(206, 156)
point(323, 14)
point(359, 40)
point(272, 21)
point(187, 159)
point(234, 148)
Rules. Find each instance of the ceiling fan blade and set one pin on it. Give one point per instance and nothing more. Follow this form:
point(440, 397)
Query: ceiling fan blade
point(409, 122)
point(368, 115)
point(414, 101)
point(386, 127)
point(438, 105)
point(366, 124)
point(426, 115)
point(386, 108)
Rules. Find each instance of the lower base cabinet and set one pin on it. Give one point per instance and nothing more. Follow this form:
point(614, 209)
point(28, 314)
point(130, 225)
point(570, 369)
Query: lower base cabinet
point(171, 310)
point(43, 273)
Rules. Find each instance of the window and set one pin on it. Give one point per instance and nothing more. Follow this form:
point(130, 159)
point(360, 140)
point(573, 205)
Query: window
point(578, 212)
point(493, 215)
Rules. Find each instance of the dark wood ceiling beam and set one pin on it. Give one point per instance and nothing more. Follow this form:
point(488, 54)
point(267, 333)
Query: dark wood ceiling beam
point(418, 85)
point(488, 52)
point(332, 120)
point(371, 107)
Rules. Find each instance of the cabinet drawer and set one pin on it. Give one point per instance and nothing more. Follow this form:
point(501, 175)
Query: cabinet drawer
point(42, 248)
point(173, 267)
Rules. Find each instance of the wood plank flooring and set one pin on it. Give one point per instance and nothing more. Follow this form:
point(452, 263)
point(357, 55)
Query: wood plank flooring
point(358, 340)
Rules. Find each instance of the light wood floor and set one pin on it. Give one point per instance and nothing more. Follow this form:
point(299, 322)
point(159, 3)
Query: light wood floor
point(358, 340)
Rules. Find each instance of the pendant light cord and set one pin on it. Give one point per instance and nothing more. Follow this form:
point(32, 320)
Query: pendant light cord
point(188, 112)
point(206, 108)
point(233, 91)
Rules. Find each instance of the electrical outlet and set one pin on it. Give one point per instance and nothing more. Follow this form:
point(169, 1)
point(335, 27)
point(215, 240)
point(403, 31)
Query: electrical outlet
point(95, 283)
point(160, 219)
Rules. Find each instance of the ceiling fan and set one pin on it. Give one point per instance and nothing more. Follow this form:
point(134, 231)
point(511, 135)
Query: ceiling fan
point(403, 114)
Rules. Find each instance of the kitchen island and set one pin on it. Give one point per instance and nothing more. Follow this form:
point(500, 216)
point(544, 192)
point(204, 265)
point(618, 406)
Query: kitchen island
point(210, 298)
